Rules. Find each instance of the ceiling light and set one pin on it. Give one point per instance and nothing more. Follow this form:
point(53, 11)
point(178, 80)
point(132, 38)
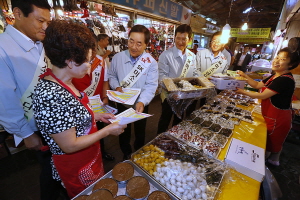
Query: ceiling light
point(225, 34)
point(245, 27)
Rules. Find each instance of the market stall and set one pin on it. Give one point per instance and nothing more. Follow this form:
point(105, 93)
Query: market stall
point(187, 162)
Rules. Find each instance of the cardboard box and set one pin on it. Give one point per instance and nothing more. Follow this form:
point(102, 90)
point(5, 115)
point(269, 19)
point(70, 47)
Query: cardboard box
point(247, 159)
point(172, 88)
point(225, 84)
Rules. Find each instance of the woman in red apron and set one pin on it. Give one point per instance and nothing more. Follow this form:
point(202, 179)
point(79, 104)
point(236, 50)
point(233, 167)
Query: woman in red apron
point(276, 94)
point(62, 112)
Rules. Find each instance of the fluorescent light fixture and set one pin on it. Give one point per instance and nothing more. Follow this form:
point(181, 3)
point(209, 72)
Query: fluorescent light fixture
point(225, 34)
point(247, 10)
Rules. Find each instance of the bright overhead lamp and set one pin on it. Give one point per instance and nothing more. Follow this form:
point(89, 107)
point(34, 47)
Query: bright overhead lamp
point(245, 26)
point(225, 34)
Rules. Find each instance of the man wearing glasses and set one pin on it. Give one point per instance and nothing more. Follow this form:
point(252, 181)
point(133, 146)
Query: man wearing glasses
point(212, 61)
point(134, 68)
point(177, 61)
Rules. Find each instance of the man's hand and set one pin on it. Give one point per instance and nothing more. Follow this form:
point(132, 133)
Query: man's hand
point(139, 107)
point(105, 101)
point(104, 117)
point(33, 142)
point(119, 89)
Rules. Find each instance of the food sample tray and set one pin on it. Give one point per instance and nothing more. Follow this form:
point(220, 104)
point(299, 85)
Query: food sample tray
point(154, 185)
point(180, 161)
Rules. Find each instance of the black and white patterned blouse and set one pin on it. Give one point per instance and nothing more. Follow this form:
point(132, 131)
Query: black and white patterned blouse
point(57, 110)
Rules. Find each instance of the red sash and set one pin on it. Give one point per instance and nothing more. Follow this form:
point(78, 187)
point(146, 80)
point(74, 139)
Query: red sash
point(80, 169)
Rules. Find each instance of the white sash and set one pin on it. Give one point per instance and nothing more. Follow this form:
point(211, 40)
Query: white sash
point(137, 71)
point(28, 94)
point(187, 65)
point(220, 64)
point(96, 74)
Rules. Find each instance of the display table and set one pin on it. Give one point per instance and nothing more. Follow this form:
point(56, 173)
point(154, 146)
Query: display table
point(236, 185)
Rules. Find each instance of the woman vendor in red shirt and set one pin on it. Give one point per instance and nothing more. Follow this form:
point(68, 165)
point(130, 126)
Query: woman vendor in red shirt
point(276, 94)
point(62, 112)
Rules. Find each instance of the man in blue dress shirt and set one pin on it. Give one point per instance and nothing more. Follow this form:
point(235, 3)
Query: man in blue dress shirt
point(21, 61)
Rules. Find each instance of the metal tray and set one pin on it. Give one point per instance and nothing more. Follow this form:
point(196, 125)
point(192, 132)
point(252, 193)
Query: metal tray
point(154, 185)
point(186, 147)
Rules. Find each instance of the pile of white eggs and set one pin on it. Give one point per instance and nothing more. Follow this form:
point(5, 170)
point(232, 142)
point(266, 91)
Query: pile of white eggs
point(183, 179)
point(187, 85)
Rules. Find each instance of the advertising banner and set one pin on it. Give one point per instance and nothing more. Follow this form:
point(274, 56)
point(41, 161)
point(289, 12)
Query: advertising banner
point(250, 33)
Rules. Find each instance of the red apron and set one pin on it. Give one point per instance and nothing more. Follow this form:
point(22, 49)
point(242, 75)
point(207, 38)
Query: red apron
point(80, 169)
point(278, 122)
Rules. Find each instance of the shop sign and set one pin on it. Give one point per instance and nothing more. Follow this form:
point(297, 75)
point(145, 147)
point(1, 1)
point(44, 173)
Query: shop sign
point(186, 16)
point(252, 40)
point(250, 33)
point(164, 8)
point(210, 28)
point(197, 23)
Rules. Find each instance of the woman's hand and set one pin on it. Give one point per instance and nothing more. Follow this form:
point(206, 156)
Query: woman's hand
point(241, 73)
point(240, 91)
point(115, 128)
point(104, 117)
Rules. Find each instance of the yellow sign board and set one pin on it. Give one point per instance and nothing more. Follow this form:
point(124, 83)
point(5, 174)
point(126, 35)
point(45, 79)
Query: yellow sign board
point(250, 33)
point(253, 40)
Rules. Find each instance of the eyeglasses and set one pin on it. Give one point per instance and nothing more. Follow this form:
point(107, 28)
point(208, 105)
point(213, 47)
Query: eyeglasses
point(216, 42)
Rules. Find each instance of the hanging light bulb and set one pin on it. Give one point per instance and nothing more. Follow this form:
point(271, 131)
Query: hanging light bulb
point(245, 26)
point(225, 34)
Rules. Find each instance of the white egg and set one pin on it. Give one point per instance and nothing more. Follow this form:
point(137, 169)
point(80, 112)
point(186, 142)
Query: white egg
point(179, 184)
point(189, 164)
point(189, 196)
point(155, 174)
point(168, 185)
point(191, 184)
point(185, 192)
point(173, 176)
point(189, 178)
point(195, 181)
point(180, 189)
point(178, 178)
point(172, 181)
point(204, 196)
point(173, 188)
point(197, 191)
point(203, 188)
point(162, 181)
point(198, 196)
point(183, 181)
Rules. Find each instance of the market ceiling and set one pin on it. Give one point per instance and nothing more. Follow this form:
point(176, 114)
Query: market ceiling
point(264, 13)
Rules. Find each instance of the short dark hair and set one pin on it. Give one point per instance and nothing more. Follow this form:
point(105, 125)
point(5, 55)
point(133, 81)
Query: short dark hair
point(216, 34)
point(294, 57)
point(141, 29)
point(246, 46)
point(102, 36)
point(68, 40)
point(27, 6)
point(184, 28)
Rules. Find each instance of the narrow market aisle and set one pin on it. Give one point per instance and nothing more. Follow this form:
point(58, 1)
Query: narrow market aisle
point(19, 172)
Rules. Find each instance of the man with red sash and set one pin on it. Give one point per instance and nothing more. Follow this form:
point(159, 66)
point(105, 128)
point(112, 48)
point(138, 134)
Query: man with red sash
point(94, 83)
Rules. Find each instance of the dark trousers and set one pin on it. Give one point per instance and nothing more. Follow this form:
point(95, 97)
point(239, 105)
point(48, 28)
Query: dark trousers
point(167, 113)
point(139, 132)
point(50, 189)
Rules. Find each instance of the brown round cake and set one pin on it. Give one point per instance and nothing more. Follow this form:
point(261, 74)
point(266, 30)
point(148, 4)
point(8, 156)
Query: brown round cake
point(107, 183)
point(101, 194)
point(123, 197)
point(159, 195)
point(122, 171)
point(137, 187)
point(82, 197)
